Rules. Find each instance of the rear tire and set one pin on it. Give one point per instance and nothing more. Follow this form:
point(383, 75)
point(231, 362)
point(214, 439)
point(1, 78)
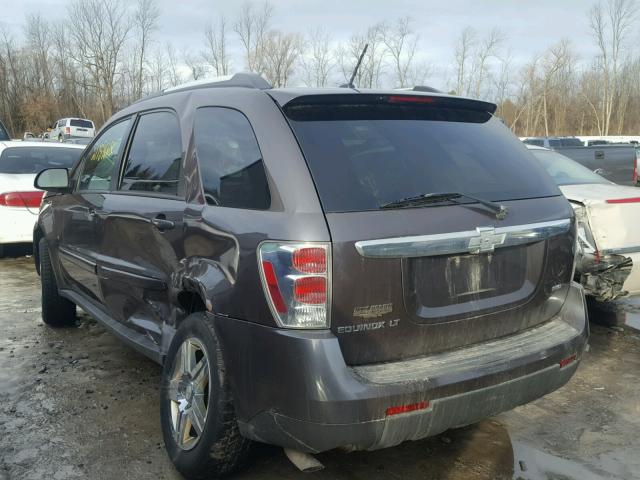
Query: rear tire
point(218, 448)
point(57, 311)
point(60, 138)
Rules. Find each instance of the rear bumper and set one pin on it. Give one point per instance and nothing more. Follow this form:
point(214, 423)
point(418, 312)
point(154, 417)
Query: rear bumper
point(293, 388)
point(17, 225)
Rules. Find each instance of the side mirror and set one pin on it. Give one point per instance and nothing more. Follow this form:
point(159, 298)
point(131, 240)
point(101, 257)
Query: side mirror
point(53, 180)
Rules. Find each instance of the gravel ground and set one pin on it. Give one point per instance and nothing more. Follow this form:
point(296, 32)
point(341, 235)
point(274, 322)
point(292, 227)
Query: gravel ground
point(77, 403)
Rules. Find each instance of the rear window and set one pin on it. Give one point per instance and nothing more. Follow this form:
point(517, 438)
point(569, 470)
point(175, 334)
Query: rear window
point(565, 142)
point(76, 122)
point(564, 170)
point(34, 159)
point(364, 156)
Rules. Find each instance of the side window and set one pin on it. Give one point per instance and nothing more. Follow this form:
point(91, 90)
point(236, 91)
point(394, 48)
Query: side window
point(100, 161)
point(229, 159)
point(153, 163)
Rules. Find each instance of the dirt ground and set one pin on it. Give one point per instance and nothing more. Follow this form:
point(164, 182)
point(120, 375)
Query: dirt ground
point(77, 403)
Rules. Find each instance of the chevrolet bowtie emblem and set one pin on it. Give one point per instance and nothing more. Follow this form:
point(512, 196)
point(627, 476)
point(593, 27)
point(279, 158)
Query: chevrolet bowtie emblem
point(486, 241)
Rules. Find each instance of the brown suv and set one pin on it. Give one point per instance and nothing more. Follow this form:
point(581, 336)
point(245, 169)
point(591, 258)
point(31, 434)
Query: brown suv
point(316, 268)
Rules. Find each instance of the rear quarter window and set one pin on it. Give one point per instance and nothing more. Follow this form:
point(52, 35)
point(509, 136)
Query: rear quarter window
point(229, 159)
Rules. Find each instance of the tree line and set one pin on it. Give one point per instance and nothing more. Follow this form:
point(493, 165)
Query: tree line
point(106, 54)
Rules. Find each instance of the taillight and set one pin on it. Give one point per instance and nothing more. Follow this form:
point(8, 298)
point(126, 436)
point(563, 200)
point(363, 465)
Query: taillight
point(624, 200)
point(21, 199)
point(67, 130)
point(296, 282)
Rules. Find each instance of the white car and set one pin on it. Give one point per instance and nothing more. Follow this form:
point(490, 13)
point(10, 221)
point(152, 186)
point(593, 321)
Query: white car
point(608, 217)
point(66, 128)
point(20, 162)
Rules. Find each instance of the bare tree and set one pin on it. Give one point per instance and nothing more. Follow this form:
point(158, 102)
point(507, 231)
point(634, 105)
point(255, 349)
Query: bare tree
point(252, 26)
point(373, 64)
point(317, 64)
point(146, 21)
point(194, 65)
point(97, 32)
point(610, 26)
point(487, 48)
point(281, 52)
point(462, 55)
point(216, 53)
point(401, 42)
point(175, 78)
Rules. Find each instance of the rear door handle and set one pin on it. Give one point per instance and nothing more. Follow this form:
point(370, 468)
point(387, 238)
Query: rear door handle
point(163, 224)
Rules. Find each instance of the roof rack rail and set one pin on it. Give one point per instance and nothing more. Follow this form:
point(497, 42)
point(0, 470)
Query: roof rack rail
point(244, 80)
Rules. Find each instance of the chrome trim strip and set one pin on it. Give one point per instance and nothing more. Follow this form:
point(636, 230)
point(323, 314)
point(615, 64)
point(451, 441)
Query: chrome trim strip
point(480, 240)
point(621, 251)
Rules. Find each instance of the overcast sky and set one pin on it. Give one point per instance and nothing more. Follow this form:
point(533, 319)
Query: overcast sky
point(530, 26)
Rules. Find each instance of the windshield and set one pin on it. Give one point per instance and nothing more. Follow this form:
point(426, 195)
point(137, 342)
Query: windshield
point(19, 160)
point(564, 170)
point(362, 157)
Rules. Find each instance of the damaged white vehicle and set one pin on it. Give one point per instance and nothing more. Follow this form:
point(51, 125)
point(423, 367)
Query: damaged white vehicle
point(608, 216)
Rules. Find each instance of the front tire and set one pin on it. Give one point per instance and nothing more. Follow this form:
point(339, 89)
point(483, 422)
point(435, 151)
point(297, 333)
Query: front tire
point(196, 407)
point(57, 311)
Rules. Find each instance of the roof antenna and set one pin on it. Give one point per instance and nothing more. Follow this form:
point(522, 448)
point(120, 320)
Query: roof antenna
point(355, 70)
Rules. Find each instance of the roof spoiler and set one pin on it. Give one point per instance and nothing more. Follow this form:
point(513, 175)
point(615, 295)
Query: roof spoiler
point(404, 97)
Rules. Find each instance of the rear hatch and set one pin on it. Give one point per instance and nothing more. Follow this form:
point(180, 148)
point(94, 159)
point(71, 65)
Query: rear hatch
point(429, 276)
point(81, 128)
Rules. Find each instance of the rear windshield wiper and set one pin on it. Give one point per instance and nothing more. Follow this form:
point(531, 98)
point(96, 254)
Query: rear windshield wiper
point(426, 198)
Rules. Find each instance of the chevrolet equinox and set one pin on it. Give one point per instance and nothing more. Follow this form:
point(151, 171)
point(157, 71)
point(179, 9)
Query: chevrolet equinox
point(316, 268)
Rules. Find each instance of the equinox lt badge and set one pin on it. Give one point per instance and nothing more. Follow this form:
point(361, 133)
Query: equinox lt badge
point(363, 327)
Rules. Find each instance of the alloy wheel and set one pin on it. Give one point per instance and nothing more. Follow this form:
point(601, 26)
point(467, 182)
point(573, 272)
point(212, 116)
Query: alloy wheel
point(189, 393)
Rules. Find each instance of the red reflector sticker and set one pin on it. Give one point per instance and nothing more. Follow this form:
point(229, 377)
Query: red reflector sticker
point(407, 408)
point(566, 361)
point(625, 200)
point(272, 285)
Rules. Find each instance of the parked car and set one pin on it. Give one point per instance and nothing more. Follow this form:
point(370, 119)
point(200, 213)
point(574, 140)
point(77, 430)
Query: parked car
point(4, 135)
point(554, 142)
point(316, 268)
point(67, 128)
point(608, 228)
point(20, 161)
point(615, 162)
